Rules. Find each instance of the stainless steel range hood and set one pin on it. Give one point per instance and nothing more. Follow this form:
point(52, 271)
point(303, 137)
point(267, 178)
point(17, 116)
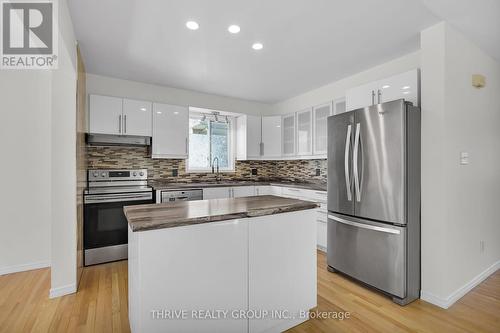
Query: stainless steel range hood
point(117, 140)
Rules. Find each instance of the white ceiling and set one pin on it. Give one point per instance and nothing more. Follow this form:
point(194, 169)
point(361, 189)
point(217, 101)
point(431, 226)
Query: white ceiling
point(307, 43)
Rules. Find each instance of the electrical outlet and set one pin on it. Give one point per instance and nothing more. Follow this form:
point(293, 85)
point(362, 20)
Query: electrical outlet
point(175, 172)
point(481, 246)
point(254, 172)
point(318, 172)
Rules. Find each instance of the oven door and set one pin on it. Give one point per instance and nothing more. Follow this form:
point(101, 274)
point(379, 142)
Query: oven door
point(105, 225)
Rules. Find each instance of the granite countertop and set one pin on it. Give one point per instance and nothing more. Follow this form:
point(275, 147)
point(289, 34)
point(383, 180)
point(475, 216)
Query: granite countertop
point(184, 213)
point(168, 185)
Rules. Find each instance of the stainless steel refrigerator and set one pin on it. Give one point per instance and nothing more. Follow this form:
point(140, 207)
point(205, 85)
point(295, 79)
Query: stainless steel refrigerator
point(374, 197)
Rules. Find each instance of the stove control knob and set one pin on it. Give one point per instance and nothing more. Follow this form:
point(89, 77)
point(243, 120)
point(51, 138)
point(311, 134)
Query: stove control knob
point(134, 174)
point(141, 173)
point(96, 174)
point(103, 174)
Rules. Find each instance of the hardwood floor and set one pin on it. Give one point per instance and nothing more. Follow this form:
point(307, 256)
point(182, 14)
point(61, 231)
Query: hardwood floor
point(478, 311)
point(101, 306)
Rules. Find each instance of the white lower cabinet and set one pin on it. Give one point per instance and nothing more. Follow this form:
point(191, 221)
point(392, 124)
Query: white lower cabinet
point(243, 266)
point(228, 192)
point(282, 272)
point(288, 192)
point(321, 213)
point(321, 235)
point(263, 190)
point(242, 191)
point(198, 267)
point(216, 193)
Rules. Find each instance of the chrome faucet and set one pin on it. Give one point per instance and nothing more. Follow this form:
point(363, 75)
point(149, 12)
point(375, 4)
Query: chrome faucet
point(217, 177)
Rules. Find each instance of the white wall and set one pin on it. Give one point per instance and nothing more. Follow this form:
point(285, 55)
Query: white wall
point(25, 168)
point(63, 194)
point(459, 202)
point(97, 84)
point(338, 88)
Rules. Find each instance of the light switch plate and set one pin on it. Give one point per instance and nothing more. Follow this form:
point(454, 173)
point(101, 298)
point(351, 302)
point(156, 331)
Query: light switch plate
point(478, 80)
point(464, 158)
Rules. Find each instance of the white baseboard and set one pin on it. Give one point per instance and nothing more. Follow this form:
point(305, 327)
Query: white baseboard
point(445, 303)
point(24, 267)
point(63, 290)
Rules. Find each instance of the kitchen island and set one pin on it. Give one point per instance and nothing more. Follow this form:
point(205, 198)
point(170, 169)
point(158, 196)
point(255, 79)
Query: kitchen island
point(222, 265)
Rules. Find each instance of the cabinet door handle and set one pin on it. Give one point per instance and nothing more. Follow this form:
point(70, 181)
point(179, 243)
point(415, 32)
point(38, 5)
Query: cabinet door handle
point(365, 226)
point(379, 93)
point(373, 97)
point(187, 146)
point(125, 124)
point(120, 124)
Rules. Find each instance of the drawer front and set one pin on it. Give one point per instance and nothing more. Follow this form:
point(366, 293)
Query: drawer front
point(319, 196)
point(373, 253)
point(263, 190)
point(293, 193)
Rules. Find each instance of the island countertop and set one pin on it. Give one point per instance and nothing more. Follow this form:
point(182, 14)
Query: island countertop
point(184, 213)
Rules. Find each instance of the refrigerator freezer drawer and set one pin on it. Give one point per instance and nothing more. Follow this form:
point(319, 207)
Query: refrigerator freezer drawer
point(373, 253)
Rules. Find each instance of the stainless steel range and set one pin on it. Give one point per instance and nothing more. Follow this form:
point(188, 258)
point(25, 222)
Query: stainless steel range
point(105, 225)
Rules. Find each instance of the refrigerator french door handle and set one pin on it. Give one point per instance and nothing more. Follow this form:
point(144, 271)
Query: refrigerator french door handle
point(355, 162)
point(346, 162)
point(365, 226)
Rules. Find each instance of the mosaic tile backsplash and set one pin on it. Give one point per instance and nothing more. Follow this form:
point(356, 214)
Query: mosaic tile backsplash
point(110, 157)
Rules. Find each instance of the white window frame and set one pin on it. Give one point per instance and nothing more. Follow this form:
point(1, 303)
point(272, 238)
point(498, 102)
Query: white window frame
point(231, 144)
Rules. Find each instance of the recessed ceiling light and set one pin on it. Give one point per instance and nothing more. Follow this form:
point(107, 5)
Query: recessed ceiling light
point(176, 112)
point(234, 29)
point(257, 46)
point(143, 109)
point(192, 25)
point(406, 92)
point(386, 86)
point(406, 87)
point(159, 112)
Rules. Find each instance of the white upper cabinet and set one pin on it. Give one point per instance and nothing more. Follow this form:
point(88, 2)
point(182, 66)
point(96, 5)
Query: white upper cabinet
point(119, 116)
point(105, 115)
point(288, 134)
point(271, 137)
point(320, 114)
point(304, 132)
point(248, 137)
point(137, 117)
point(170, 131)
point(339, 106)
point(361, 96)
point(404, 85)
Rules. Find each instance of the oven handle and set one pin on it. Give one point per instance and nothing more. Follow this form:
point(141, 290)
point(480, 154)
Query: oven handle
point(117, 198)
